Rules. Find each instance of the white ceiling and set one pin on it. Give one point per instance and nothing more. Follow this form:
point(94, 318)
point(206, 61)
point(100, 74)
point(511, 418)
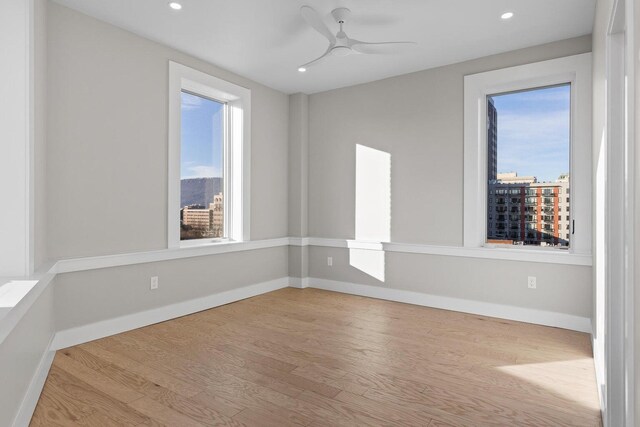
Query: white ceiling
point(266, 40)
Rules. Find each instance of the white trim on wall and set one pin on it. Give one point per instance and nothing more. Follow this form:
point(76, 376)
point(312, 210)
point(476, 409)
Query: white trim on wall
point(500, 311)
point(547, 256)
point(92, 263)
point(12, 318)
point(8, 323)
point(540, 255)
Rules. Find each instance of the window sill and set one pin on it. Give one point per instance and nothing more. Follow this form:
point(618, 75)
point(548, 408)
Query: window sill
point(17, 295)
point(197, 243)
point(553, 256)
point(524, 253)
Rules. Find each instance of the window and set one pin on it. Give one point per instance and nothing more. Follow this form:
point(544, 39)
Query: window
point(202, 142)
point(528, 132)
point(528, 150)
point(209, 142)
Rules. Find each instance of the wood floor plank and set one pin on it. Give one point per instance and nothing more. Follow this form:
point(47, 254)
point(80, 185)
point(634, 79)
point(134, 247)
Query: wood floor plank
point(385, 411)
point(263, 417)
point(220, 365)
point(55, 408)
point(150, 374)
point(77, 390)
point(97, 379)
point(82, 356)
point(163, 414)
point(252, 396)
point(317, 358)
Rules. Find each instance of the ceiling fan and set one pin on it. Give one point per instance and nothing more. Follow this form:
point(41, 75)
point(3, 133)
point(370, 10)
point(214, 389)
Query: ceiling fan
point(340, 44)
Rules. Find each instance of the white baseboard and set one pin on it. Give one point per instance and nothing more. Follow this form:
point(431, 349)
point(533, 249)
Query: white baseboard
point(30, 400)
point(520, 314)
point(86, 333)
point(299, 282)
point(81, 334)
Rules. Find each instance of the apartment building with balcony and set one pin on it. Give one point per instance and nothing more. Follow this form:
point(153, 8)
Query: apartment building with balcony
point(524, 211)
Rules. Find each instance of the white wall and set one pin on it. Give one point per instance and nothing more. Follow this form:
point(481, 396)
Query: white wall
point(417, 120)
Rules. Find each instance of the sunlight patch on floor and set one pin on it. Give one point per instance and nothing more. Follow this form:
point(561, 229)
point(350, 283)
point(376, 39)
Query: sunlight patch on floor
point(547, 376)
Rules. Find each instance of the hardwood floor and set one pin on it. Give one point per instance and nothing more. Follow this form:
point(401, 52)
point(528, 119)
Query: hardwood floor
point(316, 358)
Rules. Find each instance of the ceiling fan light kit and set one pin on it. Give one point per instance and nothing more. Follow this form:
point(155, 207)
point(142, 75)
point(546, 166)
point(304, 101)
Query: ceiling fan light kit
point(340, 44)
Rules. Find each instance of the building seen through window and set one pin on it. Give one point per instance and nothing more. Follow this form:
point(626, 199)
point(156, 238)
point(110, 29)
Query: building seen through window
point(528, 182)
point(201, 167)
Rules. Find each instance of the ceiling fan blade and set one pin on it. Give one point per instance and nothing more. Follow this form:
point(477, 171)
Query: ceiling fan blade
point(313, 18)
point(318, 58)
point(380, 47)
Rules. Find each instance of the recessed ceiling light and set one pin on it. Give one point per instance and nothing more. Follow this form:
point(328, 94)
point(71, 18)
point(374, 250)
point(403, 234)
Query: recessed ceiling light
point(507, 15)
point(175, 5)
point(302, 69)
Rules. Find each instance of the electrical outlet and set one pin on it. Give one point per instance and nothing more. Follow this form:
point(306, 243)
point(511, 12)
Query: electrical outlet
point(531, 282)
point(154, 282)
point(329, 261)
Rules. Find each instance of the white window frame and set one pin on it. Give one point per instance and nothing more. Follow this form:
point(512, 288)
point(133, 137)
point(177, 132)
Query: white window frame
point(575, 70)
point(237, 153)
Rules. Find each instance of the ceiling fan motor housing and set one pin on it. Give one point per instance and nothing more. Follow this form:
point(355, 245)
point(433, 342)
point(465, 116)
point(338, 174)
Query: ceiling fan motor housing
point(341, 14)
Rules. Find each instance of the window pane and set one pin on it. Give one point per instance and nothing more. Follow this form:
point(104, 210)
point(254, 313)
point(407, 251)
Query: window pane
point(528, 138)
point(201, 168)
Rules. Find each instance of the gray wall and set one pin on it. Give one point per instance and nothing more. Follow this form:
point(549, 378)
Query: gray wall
point(21, 352)
point(561, 288)
point(107, 173)
point(298, 181)
point(91, 296)
point(107, 141)
point(418, 119)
